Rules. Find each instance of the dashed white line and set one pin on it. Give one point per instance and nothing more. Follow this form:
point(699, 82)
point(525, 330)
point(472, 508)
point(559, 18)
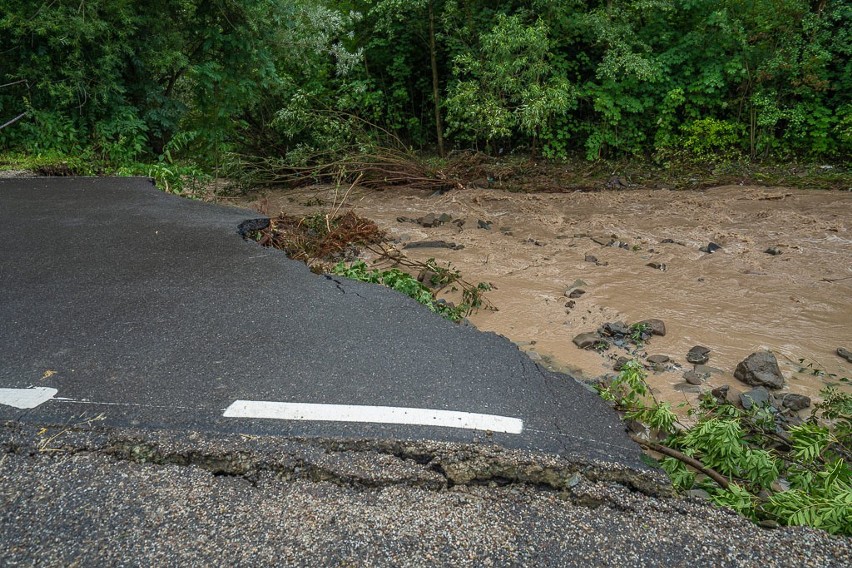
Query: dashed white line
point(26, 398)
point(373, 414)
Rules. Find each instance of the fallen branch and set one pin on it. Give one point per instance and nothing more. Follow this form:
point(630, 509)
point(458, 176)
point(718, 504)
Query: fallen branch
point(692, 462)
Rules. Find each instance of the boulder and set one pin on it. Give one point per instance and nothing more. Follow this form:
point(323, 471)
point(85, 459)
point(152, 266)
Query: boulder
point(795, 402)
point(429, 278)
point(698, 355)
point(697, 493)
point(710, 248)
point(732, 396)
point(845, 353)
point(658, 359)
point(706, 370)
point(693, 378)
point(687, 388)
point(720, 393)
point(755, 397)
point(655, 326)
point(615, 328)
point(620, 363)
point(429, 220)
point(760, 370)
point(586, 340)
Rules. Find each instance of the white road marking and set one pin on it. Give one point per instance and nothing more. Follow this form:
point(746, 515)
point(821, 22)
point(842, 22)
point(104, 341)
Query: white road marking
point(373, 414)
point(26, 398)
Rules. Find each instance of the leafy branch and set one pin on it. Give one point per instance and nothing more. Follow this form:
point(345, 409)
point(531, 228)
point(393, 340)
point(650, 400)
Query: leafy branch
point(748, 460)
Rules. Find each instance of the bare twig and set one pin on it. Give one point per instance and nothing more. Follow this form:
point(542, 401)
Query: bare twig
point(18, 82)
point(336, 206)
point(13, 121)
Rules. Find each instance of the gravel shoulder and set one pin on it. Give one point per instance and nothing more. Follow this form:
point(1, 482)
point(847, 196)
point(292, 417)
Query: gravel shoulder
point(93, 497)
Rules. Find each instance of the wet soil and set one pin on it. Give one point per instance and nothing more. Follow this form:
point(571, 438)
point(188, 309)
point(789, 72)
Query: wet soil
point(737, 300)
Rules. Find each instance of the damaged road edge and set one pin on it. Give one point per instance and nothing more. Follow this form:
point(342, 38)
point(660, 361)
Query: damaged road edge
point(362, 464)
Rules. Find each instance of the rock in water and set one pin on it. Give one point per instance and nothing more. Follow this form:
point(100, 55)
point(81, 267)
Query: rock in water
point(586, 340)
point(760, 369)
point(655, 326)
point(845, 353)
point(720, 393)
point(795, 402)
point(698, 355)
point(693, 378)
point(429, 220)
point(615, 328)
point(757, 397)
point(620, 363)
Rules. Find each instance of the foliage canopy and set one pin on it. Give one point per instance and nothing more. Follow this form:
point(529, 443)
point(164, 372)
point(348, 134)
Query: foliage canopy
point(704, 80)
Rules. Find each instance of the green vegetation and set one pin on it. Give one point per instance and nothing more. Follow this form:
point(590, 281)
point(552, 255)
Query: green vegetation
point(410, 286)
point(750, 460)
point(106, 85)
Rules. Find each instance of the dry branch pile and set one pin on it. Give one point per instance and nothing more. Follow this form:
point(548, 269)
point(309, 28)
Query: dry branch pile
point(320, 239)
point(380, 168)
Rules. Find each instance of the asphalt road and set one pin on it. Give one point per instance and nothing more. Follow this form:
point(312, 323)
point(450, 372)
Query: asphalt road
point(148, 310)
point(132, 323)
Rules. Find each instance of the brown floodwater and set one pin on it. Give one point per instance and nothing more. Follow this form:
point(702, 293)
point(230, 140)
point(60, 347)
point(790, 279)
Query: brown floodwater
point(735, 301)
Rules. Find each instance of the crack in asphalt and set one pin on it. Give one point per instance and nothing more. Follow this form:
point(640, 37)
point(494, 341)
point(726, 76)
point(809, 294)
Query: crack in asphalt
point(358, 464)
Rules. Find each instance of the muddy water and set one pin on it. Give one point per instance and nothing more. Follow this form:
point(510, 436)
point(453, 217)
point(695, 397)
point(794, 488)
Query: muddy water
point(735, 301)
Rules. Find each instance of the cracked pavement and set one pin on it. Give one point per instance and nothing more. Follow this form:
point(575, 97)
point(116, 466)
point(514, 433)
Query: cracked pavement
point(114, 497)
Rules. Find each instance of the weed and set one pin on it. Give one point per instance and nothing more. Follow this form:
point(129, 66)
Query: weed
point(408, 285)
point(638, 333)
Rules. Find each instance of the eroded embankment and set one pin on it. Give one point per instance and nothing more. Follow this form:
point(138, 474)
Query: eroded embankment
point(353, 463)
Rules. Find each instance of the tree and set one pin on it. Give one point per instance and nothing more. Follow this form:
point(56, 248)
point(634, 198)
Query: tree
point(507, 84)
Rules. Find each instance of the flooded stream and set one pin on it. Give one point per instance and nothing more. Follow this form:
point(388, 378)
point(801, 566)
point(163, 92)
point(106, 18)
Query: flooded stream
point(781, 278)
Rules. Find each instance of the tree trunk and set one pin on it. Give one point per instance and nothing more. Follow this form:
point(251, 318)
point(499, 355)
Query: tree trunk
point(439, 128)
